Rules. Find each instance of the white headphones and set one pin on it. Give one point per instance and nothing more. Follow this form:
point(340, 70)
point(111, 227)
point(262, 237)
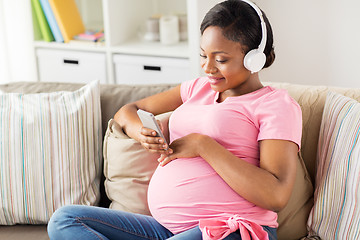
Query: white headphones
point(255, 59)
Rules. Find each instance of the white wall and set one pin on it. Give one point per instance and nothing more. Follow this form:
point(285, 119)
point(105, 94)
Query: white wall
point(197, 10)
point(316, 42)
point(17, 61)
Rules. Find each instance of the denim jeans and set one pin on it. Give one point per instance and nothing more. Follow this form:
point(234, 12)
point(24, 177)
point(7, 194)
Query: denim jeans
point(84, 222)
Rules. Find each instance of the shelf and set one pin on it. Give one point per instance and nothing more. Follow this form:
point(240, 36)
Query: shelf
point(180, 50)
point(70, 46)
point(123, 22)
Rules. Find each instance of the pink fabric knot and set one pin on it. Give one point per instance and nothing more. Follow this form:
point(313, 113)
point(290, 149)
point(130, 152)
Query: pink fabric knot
point(215, 229)
point(232, 224)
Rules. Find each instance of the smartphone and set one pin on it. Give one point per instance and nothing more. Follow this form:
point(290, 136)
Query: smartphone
point(148, 120)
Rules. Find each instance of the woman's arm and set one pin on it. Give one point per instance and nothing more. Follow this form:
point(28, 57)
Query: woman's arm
point(156, 104)
point(268, 186)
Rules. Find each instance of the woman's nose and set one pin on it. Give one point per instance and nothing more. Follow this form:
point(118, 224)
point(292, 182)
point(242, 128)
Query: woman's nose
point(208, 67)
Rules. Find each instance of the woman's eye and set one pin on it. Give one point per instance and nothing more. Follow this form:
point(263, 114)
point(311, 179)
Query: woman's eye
point(221, 61)
point(202, 56)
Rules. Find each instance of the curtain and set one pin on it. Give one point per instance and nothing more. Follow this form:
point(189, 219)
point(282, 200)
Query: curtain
point(17, 57)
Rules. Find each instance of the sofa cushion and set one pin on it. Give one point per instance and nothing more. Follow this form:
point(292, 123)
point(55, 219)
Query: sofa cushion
point(50, 152)
point(336, 212)
point(21, 232)
point(128, 168)
point(293, 218)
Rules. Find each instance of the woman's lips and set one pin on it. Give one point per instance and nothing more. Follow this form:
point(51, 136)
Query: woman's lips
point(215, 80)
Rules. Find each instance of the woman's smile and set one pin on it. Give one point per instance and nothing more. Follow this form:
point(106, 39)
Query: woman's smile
point(215, 80)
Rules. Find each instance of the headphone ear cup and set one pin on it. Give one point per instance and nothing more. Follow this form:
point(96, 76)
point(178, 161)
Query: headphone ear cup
point(254, 60)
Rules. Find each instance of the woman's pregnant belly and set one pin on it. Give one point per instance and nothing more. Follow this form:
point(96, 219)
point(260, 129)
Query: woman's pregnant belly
point(187, 190)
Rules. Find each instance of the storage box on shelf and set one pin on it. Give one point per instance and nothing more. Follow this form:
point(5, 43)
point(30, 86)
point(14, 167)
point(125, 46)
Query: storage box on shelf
point(131, 69)
point(123, 22)
point(71, 66)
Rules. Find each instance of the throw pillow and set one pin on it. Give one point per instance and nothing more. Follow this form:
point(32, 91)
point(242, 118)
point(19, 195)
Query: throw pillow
point(336, 212)
point(128, 168)
point(50, 151)
point(292, 219)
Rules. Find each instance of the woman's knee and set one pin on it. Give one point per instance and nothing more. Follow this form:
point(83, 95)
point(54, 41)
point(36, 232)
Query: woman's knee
point(62, 217)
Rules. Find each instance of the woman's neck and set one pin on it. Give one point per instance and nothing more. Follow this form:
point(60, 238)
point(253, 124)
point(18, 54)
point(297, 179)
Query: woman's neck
point(251, 85)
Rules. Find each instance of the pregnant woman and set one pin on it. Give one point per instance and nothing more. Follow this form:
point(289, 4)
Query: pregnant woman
point(231, 161)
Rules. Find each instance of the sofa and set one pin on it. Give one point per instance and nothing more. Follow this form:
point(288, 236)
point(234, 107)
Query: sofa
point(293, 223)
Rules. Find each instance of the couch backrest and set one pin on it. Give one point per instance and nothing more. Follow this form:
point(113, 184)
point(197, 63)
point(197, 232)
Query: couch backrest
point(113, 96)
point(311, 100)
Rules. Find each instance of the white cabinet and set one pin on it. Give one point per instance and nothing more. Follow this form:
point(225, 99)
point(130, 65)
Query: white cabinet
point(71, 66)
point(131, 69)
point(123, 22)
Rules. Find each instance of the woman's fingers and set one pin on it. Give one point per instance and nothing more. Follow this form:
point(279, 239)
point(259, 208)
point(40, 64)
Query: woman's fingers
point(166, 158)
point(151, 142)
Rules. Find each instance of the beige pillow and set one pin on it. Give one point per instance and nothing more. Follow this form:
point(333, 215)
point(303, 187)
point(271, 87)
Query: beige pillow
point(128, 168)
point(292, 219)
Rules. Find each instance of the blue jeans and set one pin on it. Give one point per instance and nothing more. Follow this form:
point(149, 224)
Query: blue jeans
point(84, 222)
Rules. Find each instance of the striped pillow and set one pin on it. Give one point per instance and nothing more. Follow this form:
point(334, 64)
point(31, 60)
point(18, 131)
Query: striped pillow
point(50, 151)
point(336, 212)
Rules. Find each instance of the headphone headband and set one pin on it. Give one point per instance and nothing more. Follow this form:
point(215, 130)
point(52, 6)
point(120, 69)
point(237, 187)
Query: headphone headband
point(262, 44)
point(255, 59)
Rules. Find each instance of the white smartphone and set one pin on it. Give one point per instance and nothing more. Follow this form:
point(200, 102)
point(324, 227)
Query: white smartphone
point(148, 120)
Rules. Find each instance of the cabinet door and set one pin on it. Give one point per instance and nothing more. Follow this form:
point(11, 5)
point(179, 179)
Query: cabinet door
point(131, 69)
point(71, 66)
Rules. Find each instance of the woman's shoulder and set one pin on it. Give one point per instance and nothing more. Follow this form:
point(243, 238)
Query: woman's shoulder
point(279, 96)
point(278, 101)
point(279, 116)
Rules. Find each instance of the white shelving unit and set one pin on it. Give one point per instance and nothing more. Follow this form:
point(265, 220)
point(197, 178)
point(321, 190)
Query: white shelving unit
point(123, 22)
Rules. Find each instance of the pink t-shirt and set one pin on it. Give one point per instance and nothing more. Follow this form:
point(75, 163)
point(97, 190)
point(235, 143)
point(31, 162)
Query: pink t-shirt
point(188, 190)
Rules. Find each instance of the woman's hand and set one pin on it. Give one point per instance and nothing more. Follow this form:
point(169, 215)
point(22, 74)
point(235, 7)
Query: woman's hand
point(153, 143)
point(185, 147)
point(159, 103)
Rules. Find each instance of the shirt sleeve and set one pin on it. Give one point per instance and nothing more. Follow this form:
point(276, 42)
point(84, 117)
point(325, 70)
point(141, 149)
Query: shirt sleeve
point(187, 88)
point(280, 117)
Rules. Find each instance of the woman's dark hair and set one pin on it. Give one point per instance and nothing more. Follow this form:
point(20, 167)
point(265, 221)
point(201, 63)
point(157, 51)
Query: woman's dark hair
point(240, 23)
